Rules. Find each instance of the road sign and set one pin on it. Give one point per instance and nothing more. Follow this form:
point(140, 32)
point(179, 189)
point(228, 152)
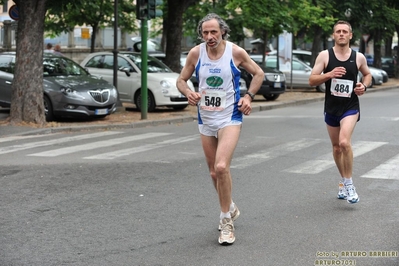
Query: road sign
point(13, 12)
point(366, 37)
point(85, 33)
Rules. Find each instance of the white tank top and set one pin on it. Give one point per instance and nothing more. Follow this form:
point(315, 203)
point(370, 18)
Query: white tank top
point(219, 88)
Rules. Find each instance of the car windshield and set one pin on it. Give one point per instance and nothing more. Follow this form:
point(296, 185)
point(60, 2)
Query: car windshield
point(61, 66)
point(153, 64)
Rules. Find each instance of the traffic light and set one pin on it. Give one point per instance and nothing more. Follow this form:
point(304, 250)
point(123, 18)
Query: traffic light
point(153, 12)
point(142, 9)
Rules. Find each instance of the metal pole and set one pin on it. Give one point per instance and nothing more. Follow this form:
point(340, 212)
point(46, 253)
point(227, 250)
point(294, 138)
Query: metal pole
point(115, 51)
point(119, 105)
point(144, 67)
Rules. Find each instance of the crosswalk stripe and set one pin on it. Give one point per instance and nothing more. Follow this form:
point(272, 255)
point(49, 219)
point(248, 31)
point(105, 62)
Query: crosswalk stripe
point(126, 152)
point(97, 144)
point(31, 145)
point(12, 138)
point(387, 170)
point(326, 161)
point(265, 155)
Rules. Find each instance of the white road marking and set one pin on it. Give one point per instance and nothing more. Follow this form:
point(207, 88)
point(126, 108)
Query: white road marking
point(97, 145)
point(31, 145)
point(326, 161)
point(387, 170)
point(265, 155)
point(13, 138)
point(129, 151)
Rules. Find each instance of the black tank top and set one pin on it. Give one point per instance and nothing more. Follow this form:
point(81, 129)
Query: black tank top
point(340, 96)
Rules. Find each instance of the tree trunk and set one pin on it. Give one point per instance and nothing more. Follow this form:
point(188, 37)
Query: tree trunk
point(317, 40)
point(174, 34)
point(397, 54)
point(377, 49)
point(27, 88)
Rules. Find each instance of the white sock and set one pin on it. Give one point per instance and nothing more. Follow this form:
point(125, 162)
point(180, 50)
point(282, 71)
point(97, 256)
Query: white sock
point(232, 206)
point(342, 180)
point(224, 215)
point(348, 181)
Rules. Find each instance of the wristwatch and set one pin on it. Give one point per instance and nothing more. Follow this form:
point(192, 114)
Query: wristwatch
point(365, 87)
point(250, 94)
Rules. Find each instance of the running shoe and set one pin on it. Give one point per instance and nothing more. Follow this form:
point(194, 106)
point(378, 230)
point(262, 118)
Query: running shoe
point(341, 191)
point(234, 215)
point(352, 196)
point(226, 236)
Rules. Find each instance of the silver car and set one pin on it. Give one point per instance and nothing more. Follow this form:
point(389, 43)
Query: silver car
point(300, 73)
point(69, 90)
point(161, 80)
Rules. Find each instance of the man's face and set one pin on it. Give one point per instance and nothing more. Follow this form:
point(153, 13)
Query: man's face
point(211, 33)
point(342, 34)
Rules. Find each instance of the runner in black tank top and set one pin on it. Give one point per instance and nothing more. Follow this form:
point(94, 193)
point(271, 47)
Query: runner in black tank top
point(338, 68)
point(335, 105)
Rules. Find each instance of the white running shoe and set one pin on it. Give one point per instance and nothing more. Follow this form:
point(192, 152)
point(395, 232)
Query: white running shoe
point(341, 191)
point(351, 195)
point(234, 216)
point(226, 236)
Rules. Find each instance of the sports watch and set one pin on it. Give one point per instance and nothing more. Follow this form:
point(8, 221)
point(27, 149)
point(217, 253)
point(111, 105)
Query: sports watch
point(250, 94)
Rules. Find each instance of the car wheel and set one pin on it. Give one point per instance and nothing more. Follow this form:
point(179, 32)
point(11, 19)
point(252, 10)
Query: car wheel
point(372, 82)
point(321, 88)
point(48, 109)
point(179, 107)
point(271, 97)
point(150, 101)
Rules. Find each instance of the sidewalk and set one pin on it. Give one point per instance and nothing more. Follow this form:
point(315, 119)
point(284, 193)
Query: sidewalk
point(131, 118)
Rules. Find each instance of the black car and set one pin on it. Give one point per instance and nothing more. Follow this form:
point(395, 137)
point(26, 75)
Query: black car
point(273, 83)
point(388, 64)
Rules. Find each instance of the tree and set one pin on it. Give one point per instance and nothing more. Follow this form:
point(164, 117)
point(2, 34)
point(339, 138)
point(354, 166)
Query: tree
point(173, 22)
point(95, 13)
point(27, 88)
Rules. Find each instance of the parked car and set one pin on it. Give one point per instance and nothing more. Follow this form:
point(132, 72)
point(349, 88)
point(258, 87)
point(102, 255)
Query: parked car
point(161, 80)
point(388, 64)
point(300, 73)
point(273, 83)
point(370, 59)
point(152, 45)
point(377, 76)
point(69, 90)
point(303, 55)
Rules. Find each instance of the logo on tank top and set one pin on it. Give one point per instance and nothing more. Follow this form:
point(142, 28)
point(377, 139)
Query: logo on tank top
point(214, 81)
point(215, 70)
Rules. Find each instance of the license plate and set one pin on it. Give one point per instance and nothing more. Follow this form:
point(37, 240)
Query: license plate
point(277, 85)
point(101, 111)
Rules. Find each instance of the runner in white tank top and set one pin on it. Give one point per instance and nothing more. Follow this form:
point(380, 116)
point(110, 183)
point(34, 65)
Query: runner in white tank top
point(220, 91)
point(220, 107)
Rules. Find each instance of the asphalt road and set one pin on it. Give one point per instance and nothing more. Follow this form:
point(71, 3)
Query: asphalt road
point(143, 196)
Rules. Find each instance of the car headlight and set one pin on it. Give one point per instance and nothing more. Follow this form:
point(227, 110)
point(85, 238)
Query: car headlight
point(70, 92)
point(114, 92)
point(67, 91)
point(165, 84)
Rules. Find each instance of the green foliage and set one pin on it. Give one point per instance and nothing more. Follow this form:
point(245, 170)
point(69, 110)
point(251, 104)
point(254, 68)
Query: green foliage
point(196, 12)
point(63, 16)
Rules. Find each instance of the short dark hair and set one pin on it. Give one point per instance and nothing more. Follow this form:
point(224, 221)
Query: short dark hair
point(223, 25)
point(343, 22)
